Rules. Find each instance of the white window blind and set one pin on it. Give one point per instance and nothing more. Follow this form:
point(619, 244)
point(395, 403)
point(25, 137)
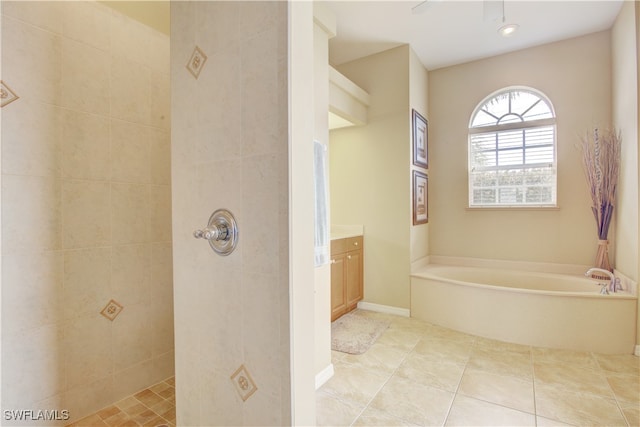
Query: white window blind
point(512, 151)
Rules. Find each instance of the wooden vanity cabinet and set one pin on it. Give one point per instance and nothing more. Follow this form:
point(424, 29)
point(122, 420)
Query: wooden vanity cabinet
point(346, 275)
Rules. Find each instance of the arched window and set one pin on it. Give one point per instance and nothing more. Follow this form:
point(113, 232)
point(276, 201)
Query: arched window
point(512, 150)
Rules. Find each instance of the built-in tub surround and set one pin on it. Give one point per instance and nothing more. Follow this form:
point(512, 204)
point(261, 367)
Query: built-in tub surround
point(526, 307)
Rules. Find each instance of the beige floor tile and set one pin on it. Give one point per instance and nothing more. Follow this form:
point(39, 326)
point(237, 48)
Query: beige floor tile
point(467, 411)
point(626, 388)
point(572, 379)
point(552, 355)
point(354, 383)
point(490, 344)
point(504, 390)
point(577, 409)
point(379, 358)
point(413, 402)
point(632, 414)
point(374, 417)
point(547, 422)
point(431, 372)
point(620, 364)
point(403, 339)
point(455, 351)
point(501, 362)
point(331, 411)
point(451, 335)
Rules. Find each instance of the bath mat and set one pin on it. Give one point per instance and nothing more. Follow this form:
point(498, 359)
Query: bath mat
point(354, 333)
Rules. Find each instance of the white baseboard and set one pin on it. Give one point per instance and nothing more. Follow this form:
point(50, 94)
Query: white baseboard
point(637, 352)
point(324, 376)
point(404, 312)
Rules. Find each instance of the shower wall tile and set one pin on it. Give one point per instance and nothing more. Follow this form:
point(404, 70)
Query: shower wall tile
point(238, 302)
point(130, 90)
point(132, 379)
point(86, 151)
point(32, 290)
point(259, 77)
point(159, 213)
point(132, 336)
point(44, 14)
point(160, 99)
point(129, 213)
point(131, 37)
point(85, 85)
point(85, 214)
point(161, 321)
point(34, 369)
point(130, 152)
point(87, 276)
point(160, 156)
point(87, 22)
point(161, 271)
point(98, 394)
point(31, 214)
point(259, 254)
point(87, 349)
point(220, 402)
point(31, 139)
point(78, 198)
point(35, 70)
point(218, 26)
point(131, 274)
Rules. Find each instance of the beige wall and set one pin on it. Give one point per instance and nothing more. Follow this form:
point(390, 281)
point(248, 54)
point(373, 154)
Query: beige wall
point(575, 74)
point(418, 99)
point(86, 207)
point(230, 150)
point(625, 118)
point(370, 175)
point(323, 29)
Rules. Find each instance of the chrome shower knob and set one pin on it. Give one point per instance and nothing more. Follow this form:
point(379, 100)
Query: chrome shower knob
point(221, 232)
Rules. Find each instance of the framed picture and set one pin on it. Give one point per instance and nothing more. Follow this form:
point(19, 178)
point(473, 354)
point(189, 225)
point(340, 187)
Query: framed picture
point(420, 198)
point(420, 140)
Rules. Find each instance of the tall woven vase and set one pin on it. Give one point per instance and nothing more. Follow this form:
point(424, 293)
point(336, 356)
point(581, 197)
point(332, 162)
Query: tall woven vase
point(602, 256)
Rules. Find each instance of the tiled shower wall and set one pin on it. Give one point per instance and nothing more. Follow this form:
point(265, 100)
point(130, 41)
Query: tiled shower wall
point(230, 150)
point(86, 207)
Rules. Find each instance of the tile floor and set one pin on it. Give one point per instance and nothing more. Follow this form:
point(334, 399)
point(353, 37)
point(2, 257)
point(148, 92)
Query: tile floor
point(153, 407)
point(422, 374)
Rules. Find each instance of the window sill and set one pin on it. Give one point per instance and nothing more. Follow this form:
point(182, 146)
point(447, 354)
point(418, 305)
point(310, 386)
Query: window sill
point(513, 208)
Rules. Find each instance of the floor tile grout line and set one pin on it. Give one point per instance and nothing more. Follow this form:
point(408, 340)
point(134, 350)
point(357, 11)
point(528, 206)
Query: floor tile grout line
point(384, 384)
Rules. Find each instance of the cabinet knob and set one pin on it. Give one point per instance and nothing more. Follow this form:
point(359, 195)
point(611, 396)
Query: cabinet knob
point(355, 243)
point(333, 261)
point(348, 256)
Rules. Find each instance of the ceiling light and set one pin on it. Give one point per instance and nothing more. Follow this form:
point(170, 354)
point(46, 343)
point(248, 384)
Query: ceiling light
point(508, 30)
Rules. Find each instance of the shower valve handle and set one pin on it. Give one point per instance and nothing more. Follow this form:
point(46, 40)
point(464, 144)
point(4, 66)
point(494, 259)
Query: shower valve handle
point(213, 232)
point(221, 232)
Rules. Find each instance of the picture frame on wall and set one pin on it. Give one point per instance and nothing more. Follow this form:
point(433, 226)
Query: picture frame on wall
point(420, 198)
point(420, 140)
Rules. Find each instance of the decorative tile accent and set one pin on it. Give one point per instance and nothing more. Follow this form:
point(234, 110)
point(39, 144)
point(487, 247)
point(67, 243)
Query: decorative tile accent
point(7, 96)
point(111, 310)
point(244, 383)
point(196, 62)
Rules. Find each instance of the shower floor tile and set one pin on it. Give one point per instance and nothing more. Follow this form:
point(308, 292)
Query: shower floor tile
point(151, 407)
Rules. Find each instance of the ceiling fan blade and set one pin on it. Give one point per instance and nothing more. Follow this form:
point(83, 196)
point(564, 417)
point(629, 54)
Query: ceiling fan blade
point(422, 7)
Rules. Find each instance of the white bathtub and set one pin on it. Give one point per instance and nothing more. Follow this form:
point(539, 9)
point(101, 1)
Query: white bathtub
point(531, 308)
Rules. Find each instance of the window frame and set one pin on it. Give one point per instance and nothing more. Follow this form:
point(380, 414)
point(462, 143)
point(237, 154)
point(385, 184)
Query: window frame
point(511, 126)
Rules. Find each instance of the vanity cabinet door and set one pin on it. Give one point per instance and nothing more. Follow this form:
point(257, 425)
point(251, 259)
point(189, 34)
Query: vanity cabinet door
point(346, 275)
